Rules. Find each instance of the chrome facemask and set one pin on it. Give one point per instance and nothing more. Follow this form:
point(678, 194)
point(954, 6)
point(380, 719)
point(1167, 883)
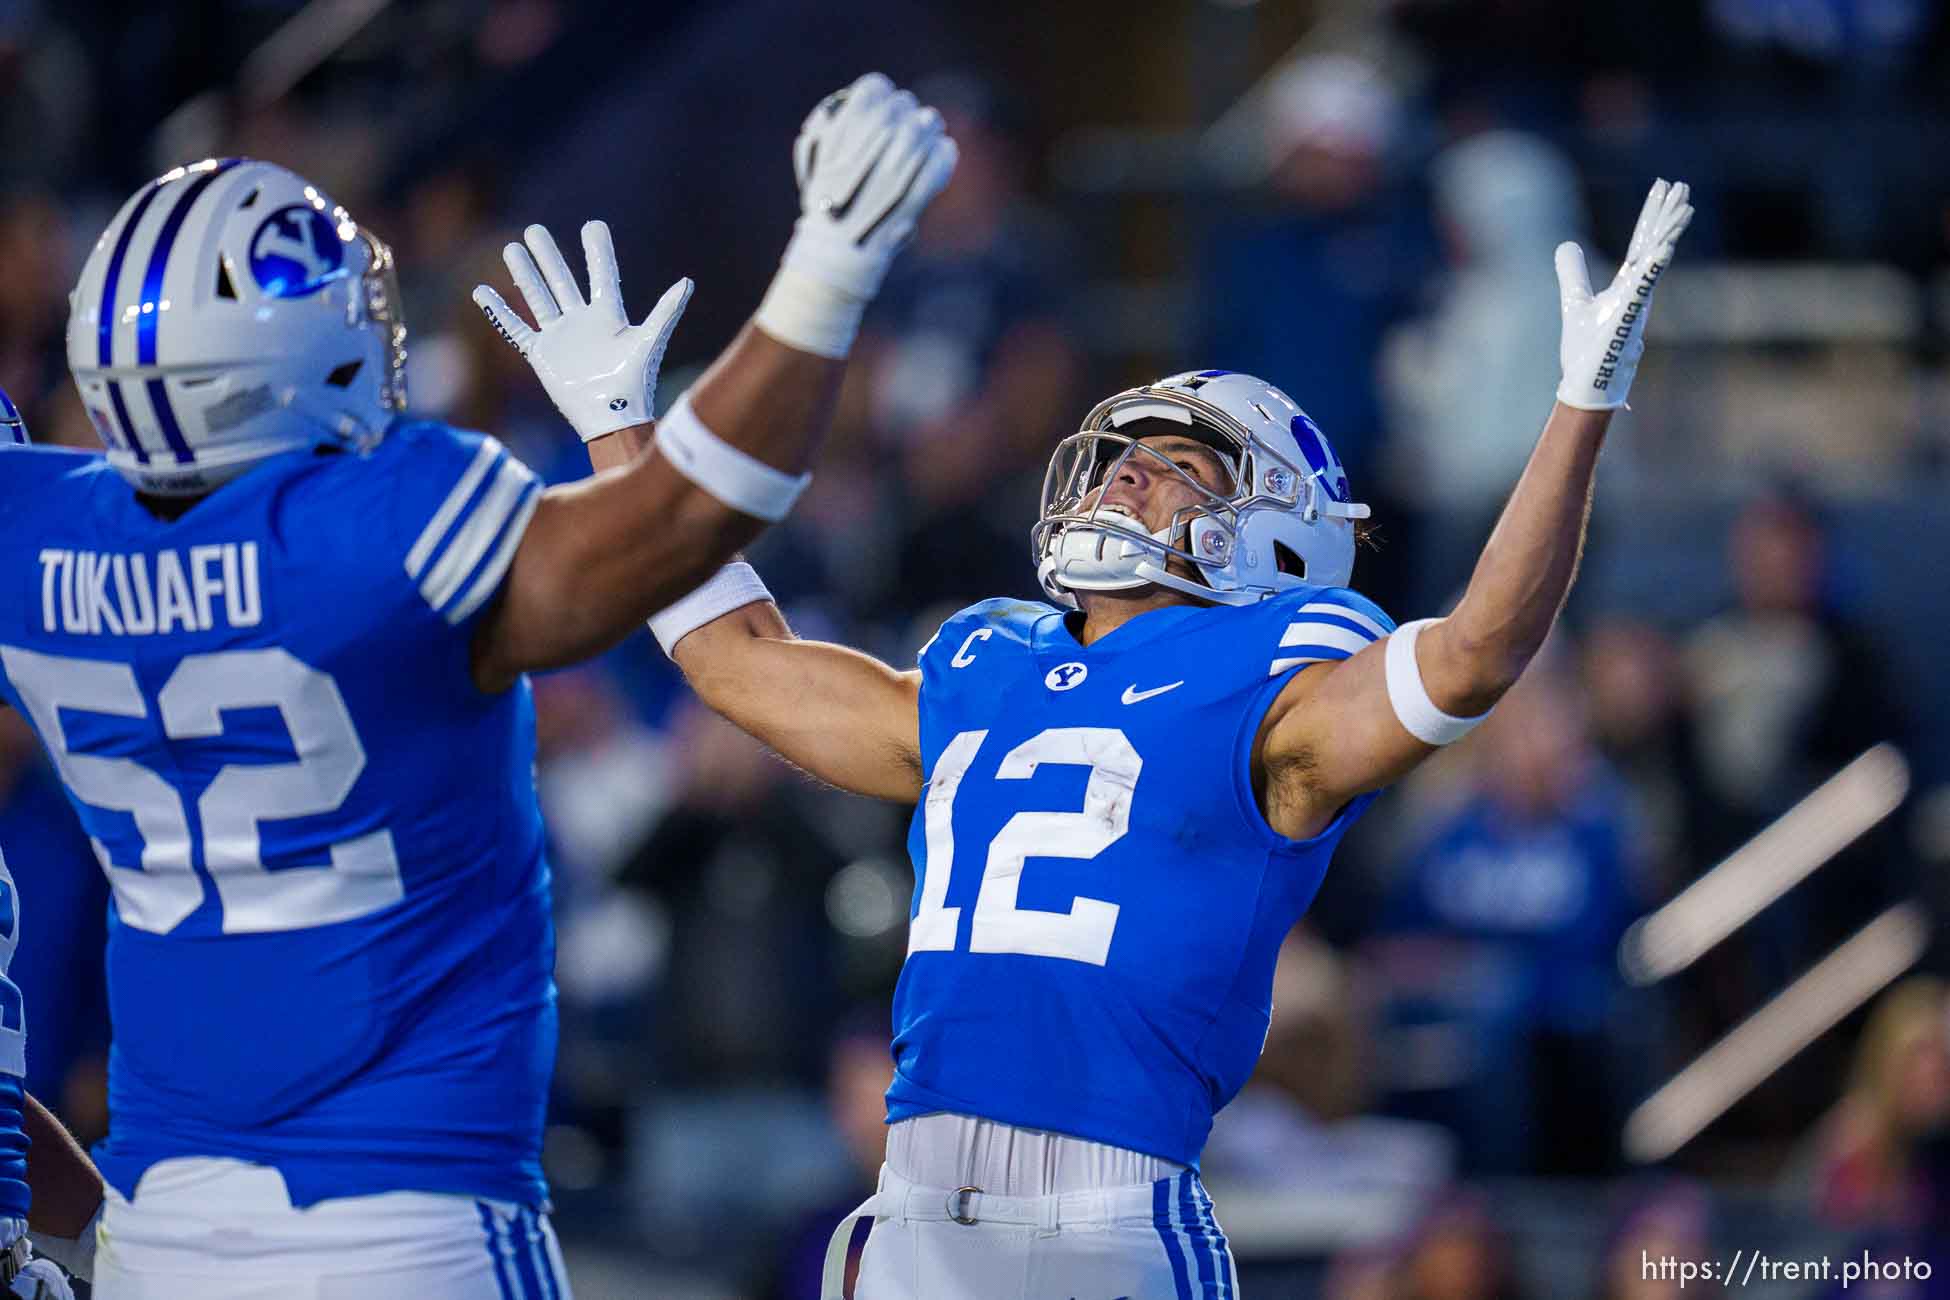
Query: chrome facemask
point(1082, 544)
point(379, 301)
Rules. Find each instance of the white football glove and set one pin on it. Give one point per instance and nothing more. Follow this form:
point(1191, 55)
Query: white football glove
point(1604, 335)
point(41, 1280)
point(600, 370)
point(868, 159)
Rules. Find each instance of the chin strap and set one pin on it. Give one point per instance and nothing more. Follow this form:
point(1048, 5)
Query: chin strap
point(1202, 591)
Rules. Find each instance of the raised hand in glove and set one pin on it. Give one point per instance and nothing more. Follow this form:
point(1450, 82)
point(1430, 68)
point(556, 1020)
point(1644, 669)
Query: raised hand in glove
point(868, 160)
point(598, 369)
point(1604, 333)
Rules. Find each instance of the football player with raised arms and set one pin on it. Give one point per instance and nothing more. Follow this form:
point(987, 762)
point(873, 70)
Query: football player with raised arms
point(1128, 797)
point(274, 643)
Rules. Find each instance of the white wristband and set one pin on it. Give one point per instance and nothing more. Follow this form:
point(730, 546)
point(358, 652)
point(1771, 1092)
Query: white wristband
point(804, 313)
point(746, 484)
point(732, 587)
point(1417, 711)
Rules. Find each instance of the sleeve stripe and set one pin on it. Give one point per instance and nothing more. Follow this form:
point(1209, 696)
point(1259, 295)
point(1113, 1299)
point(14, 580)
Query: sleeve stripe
point(1353, 616)
point(477, 531)
point(1281, 665)
point(1323, 633)
point(443, 518)
point(496, 568)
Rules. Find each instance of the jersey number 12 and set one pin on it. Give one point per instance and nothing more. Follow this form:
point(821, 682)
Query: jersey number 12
point(1084, 932)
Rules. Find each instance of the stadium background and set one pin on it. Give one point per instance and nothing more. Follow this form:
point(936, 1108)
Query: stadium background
point(1356, 201)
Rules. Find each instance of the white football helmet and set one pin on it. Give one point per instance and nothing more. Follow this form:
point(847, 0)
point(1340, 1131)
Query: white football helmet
point(231, 312)
point(1287, 519)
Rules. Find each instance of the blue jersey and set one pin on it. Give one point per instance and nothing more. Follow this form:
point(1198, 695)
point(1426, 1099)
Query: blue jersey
point(1098, 898)
point(13, 1057)
point(329, 945)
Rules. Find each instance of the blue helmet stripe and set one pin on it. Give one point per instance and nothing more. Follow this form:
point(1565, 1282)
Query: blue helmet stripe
point(152, 283)
point(152, 279)
point(124, 425)
point(166, 416)
point(105, 325)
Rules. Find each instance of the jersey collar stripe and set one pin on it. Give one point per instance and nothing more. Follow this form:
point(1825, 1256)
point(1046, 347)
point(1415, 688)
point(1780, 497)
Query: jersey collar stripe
point(127, 429)
point(1353, 616)
point(494, 1249)
point(1195, 1230)
point(496, 567)
point(152, 279)
point(166, 416)
point(443, 518)
point(1313, 633)
point(105, 326)
point(1161, 1218)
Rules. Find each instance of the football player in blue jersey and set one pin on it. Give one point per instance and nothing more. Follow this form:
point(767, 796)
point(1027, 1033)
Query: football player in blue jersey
point(274, 643)
point(50, 1191)
point(47, 1185)
point(1128, 797)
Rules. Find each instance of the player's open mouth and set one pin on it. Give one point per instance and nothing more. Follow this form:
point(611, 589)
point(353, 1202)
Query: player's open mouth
point(1118, 511)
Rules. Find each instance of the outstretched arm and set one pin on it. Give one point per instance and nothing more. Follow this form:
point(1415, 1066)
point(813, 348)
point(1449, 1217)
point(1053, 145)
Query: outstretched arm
point(847, 718)
point(844, 716)
point(599, 556)
point(1339, 730)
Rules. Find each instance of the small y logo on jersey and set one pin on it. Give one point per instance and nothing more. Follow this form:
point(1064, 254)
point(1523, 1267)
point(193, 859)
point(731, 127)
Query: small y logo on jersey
point(1132, 694)
point(1063, 677)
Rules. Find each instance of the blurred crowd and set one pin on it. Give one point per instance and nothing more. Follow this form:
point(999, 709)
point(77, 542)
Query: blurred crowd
point(1452, 1016)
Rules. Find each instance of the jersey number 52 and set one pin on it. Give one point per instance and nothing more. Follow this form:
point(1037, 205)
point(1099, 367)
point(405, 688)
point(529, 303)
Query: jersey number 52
point(156, 895)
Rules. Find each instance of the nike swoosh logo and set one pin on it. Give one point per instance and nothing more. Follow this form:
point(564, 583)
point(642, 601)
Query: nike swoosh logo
point(1132, 694)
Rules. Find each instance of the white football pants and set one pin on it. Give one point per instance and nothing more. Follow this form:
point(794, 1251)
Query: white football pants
point(1151, 1241)
point(226, 1230)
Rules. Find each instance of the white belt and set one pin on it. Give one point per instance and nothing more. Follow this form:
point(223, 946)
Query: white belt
point(907, 1202)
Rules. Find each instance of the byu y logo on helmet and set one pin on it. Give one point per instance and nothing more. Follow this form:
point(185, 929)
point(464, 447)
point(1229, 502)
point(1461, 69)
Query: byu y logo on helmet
point(296, 252)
